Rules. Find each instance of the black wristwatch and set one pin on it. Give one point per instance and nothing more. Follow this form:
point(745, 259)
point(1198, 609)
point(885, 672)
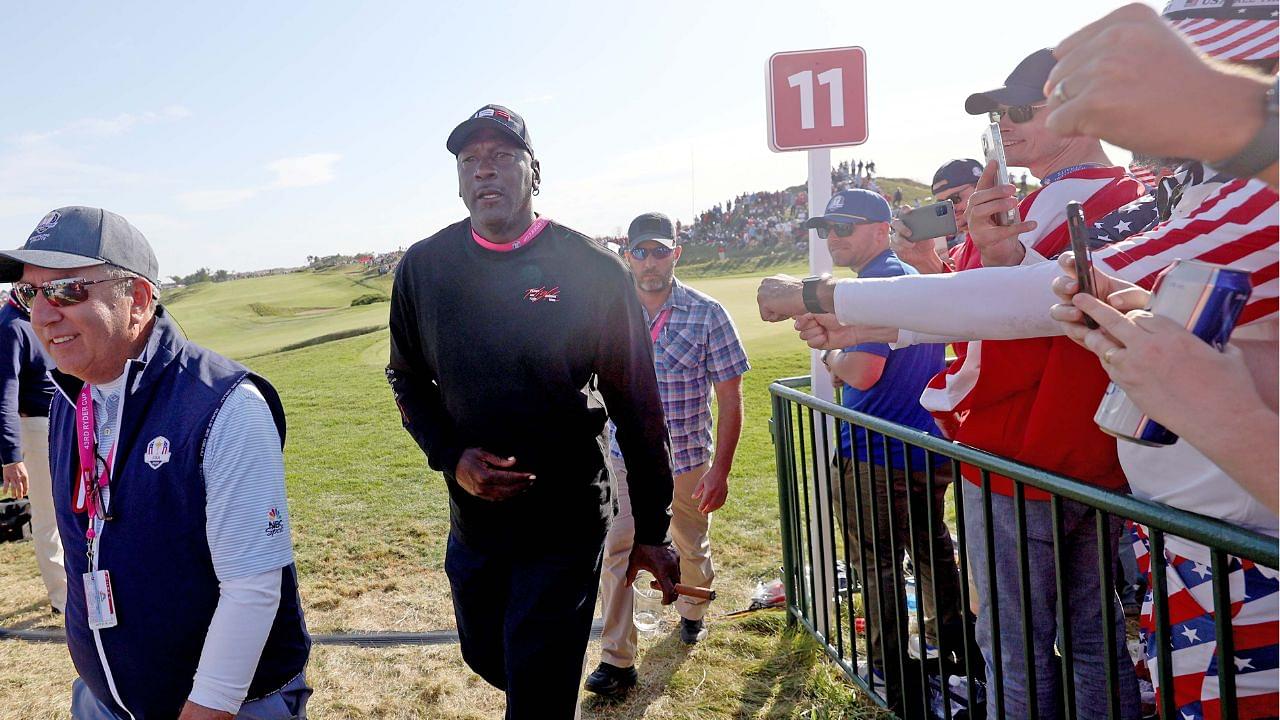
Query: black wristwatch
point(809, 291)
point(1261, 151)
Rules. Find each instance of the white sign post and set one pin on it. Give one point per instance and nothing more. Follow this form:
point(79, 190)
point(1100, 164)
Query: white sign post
point(817, 100)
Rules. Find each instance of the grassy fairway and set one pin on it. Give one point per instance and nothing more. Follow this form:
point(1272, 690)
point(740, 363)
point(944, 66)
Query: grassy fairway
point(370, 522)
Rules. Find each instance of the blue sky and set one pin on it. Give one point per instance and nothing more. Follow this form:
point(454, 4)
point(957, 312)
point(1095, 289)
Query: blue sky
point(249, 135)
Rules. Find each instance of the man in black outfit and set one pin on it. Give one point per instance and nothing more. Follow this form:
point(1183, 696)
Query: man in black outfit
point(502, 327)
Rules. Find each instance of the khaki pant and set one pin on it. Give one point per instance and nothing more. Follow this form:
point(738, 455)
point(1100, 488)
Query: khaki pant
point(44, 525)
point(689, 533)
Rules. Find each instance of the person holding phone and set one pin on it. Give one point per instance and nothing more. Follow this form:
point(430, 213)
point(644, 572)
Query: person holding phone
point(954, 182)
point(1016, 397)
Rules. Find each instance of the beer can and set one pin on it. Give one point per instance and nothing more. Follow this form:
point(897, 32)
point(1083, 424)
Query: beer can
point(1203, 298)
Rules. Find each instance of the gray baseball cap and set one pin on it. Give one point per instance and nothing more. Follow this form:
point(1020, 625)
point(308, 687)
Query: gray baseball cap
point(78, 236)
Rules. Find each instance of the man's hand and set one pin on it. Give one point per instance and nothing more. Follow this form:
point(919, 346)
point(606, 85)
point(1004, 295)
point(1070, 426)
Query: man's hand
point(712, 489)
point(482, 474)
point(998, 244)
point(1103, 86)
point(1170, 373)
point(15, 479)
point(824, 332)
point(662, 562)
point(1122, 295)
point(192, 711)
point(780, 297)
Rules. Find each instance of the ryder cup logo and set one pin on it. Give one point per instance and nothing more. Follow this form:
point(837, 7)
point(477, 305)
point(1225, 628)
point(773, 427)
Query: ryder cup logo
point(47, 223)
point(836, 203)
point(157, 452)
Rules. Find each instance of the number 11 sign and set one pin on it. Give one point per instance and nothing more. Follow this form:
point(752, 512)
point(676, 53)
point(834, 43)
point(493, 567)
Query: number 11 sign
point(817, 99)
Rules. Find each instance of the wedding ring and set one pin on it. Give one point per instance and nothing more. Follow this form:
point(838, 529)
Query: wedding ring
point(1060, 91)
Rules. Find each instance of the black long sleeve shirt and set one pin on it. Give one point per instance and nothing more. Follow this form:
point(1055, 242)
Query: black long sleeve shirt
point(496, 350)
point(25, 387)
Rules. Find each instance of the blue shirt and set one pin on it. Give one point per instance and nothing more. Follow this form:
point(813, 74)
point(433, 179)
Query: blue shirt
point(896, 395)
point(25, 387)
point(697, 347)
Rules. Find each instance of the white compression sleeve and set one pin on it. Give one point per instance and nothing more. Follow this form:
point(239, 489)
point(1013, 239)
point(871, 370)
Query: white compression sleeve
point(246, 609)
point(1002, 303)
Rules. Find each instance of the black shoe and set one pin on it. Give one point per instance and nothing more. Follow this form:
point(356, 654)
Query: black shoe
point(611, 680)
point(692, 631)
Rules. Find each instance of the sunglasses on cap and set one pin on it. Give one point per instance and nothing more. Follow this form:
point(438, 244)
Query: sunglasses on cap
point(1018, 114)
point(661, 252)
point(60, 293)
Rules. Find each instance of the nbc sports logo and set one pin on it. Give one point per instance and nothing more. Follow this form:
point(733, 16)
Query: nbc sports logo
point(275, 522)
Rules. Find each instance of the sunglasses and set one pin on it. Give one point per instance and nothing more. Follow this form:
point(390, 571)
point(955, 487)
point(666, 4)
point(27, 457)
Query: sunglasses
point(1018, 114)
point(837, 229)
point(60, 293)
point(660, 252)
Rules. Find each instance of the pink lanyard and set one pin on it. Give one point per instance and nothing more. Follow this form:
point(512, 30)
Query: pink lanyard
point(89, 488)
point(659, 323)
point(524, 239)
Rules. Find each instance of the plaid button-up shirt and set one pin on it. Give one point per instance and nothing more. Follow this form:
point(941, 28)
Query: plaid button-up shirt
point(697, 347)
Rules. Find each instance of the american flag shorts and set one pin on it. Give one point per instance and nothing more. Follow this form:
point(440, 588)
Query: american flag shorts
point(1255, 612)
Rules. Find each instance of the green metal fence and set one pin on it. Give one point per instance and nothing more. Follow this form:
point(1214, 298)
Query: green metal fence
point(909, 680)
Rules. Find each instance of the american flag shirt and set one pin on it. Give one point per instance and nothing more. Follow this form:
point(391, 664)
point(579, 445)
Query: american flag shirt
point(696, 347)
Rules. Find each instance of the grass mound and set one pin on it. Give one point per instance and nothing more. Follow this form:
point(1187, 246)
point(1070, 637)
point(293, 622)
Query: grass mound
point(370, 298)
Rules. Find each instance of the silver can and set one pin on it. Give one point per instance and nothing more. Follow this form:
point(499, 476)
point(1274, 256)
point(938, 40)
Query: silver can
point(1206, 300)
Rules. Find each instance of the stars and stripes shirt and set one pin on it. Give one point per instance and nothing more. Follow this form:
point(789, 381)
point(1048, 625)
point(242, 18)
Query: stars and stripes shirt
point(696, 347)
point(1232, 30)
point(1193, 640)
point(1231, 223)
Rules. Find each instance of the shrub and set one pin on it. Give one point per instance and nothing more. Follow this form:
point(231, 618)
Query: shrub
point(369, 299)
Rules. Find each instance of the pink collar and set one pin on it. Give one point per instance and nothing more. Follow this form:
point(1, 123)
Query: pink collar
point(526, 238)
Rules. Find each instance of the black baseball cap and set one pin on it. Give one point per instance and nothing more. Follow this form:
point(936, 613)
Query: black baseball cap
point(956, 173)
point(1024, 86)
point(651, 226)
point(78, 236)
point(490, 116)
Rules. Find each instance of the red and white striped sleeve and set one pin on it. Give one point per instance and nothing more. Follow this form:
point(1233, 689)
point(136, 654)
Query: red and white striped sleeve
point(1236, 226)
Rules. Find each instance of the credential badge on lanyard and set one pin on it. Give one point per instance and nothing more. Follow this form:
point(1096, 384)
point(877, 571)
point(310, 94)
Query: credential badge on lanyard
point(91, 490)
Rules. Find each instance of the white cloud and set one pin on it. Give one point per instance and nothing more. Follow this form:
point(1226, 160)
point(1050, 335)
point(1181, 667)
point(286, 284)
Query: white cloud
point(105, 127)
point(304, 170)
point(203, 200)
point(291, 172)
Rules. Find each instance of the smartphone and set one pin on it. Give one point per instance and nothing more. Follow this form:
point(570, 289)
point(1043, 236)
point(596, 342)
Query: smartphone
point(1084, 256)
point(930, 221)
point(993, 150)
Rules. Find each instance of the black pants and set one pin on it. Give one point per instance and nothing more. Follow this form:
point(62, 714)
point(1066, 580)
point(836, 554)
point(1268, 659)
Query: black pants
point(892, 523)
point(524, 618)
